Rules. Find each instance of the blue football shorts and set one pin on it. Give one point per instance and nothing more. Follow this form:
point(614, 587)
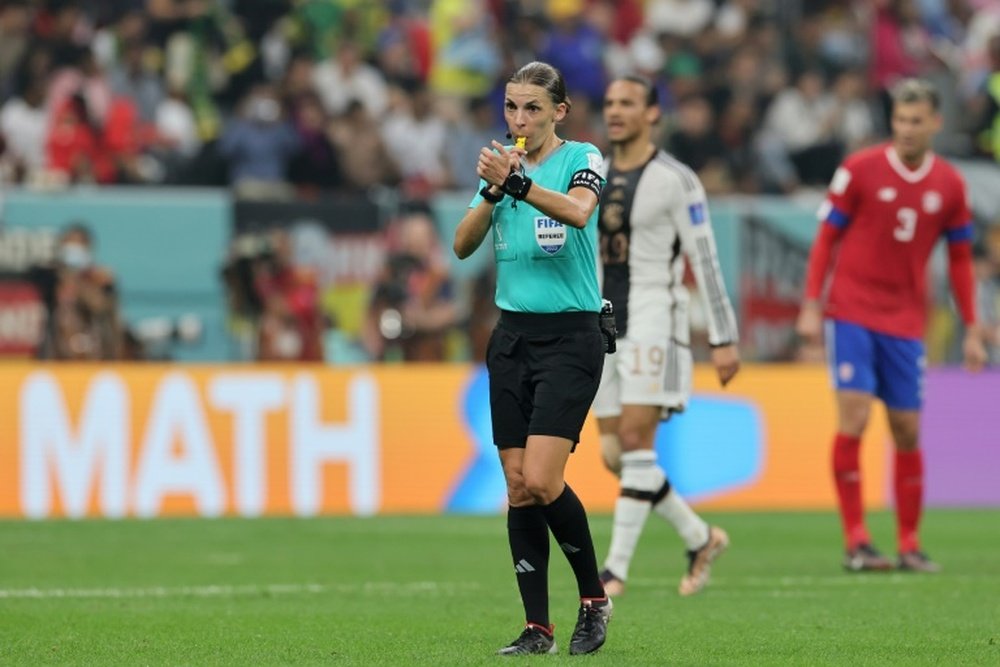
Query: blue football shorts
point(889, 367)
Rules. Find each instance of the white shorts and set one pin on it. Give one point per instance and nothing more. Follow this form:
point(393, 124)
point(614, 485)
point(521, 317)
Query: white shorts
point(651, 366)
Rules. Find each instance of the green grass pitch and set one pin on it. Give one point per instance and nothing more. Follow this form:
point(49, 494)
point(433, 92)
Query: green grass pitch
point(440, 591)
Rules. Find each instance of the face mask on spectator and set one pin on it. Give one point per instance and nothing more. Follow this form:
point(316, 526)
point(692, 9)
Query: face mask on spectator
point(75, 256)
point(264, 110)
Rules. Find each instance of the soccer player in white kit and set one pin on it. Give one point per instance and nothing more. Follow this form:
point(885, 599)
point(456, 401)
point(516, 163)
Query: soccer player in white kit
point(653, 214)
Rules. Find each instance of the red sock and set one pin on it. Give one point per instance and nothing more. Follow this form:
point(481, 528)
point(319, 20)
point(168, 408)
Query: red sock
point(909, 487)
point(847, 477)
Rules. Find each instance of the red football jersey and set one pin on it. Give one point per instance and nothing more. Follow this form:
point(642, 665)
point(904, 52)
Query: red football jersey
point(889, 217)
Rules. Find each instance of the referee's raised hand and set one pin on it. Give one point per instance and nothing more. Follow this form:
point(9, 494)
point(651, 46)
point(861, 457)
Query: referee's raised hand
point(496, 163)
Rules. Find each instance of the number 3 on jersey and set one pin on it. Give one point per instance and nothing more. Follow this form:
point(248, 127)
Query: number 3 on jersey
point(907, 228)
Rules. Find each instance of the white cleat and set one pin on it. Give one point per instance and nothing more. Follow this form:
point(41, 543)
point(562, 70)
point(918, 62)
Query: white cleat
point(700, 562)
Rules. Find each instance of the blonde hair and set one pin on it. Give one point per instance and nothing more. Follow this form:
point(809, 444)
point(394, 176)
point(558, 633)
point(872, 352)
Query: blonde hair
point(910, 91)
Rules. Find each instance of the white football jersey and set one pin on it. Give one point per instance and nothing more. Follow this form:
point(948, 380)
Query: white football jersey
point(651, 218)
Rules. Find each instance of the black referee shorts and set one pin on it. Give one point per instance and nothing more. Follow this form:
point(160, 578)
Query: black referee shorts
point(544, 372)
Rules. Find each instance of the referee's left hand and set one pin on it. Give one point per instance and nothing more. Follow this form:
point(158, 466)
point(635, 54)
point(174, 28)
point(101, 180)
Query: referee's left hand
point(726, 360)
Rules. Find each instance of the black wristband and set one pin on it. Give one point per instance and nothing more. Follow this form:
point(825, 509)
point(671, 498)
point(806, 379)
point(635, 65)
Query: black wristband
point(489, 196)
point(725, 343)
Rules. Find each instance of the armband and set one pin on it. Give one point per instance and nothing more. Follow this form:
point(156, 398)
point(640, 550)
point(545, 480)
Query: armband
point(587, 178)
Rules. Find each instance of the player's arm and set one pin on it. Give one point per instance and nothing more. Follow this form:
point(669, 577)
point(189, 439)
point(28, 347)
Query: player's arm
point(694, 225)
point(834, 216)
point(963, 286)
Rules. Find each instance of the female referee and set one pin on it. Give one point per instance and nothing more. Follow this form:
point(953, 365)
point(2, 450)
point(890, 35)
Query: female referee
point(546, 354)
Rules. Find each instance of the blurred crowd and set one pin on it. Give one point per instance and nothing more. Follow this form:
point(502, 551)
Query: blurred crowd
point(297, 99)
point(283, 98)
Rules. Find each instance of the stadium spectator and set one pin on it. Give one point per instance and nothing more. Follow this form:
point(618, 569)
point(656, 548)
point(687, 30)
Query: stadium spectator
point(291, 324)
point(546, 354)
point(466, 58)
point(81, 298)
point(83, 78)
point(74, 149)
point(877, 303)
point(735, 131)
point(404, 46)
point(575, 48)
point(652, 207)
point(988, 103)
point(853, 125)
point(364, 158)
point(132, 79)
point(411, 123)
point(24, 122)
point(900, 49)
point(798, 144)
point(15, 41)
point(347, 77)
point(682, 18)
point(316, 166)
point(177, 127)
point(259, 147)
point(695, 143)
point(413, 308)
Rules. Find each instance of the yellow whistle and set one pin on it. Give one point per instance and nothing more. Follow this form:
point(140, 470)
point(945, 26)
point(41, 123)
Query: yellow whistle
point(521, 142)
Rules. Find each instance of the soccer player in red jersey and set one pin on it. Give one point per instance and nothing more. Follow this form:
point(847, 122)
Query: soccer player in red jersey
point(886, 209)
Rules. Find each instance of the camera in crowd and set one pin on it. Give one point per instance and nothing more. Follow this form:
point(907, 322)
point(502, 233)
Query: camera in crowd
point(251, 253)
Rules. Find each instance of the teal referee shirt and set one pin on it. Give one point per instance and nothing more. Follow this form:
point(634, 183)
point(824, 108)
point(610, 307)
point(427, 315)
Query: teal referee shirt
point(544, 266)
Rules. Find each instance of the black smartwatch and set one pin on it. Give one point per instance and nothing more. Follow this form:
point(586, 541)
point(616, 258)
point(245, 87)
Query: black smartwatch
point(489, 196)
point(517, 185)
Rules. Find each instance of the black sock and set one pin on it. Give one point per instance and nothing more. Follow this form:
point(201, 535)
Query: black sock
point(528, 534)
point(568, 522)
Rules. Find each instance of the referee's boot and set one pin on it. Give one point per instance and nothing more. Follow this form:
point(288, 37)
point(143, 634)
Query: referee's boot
point(591, 626)
point(534, 640)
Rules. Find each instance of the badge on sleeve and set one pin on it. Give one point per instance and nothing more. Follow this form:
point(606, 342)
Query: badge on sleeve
point(697, 213)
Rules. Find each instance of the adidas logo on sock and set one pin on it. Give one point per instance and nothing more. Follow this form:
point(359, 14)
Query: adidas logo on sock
point(568, 548)
point(523, 567)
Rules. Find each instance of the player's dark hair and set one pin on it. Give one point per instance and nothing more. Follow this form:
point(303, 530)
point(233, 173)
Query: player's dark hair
point(548, 77)
point(652, 94)
point(909, 91)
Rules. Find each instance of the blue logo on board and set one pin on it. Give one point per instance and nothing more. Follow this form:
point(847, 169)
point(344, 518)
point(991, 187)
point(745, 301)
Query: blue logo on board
point(716, 446)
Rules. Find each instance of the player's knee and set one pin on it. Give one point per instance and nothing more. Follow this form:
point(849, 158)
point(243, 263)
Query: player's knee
point(540, 488)
point(517, 492)
point(519, 497)
point(611, 453)
point(854, 419)
point(632, 438)
point(906, 436)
